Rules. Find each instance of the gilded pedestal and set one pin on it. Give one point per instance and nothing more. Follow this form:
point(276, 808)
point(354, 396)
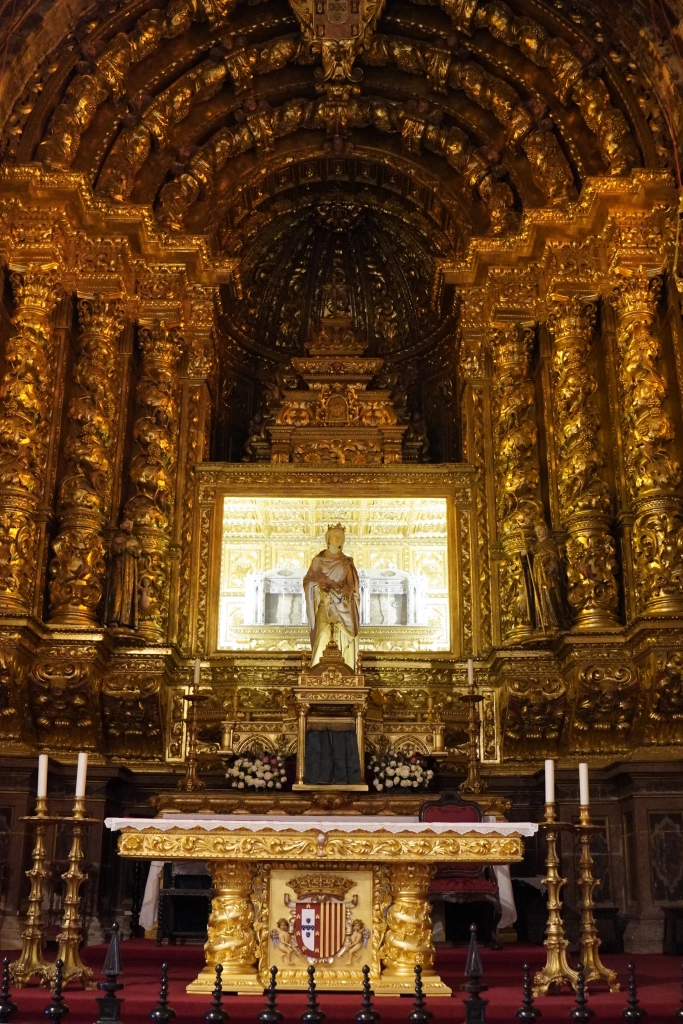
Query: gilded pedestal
point(408, 940)
point(231, 936)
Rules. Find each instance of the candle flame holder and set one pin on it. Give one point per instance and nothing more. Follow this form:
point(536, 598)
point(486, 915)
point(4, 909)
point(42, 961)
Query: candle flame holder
point(557, 971)
point(31, 961)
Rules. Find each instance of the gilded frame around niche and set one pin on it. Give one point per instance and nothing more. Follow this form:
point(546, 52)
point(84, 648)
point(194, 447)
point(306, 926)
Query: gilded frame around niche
point(453, 482)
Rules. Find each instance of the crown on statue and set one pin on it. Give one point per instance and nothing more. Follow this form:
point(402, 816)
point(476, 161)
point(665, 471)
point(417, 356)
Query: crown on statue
point(318, 884)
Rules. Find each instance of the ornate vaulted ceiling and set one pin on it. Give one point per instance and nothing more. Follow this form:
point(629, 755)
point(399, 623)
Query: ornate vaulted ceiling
point(442, 121)
point(205, 107)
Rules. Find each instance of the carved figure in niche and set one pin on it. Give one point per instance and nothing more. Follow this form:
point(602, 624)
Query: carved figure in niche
point(121, 609)
point(525, 610)
point(257, 448)
point(415, 440)
point(548, 582)
point(332, 591)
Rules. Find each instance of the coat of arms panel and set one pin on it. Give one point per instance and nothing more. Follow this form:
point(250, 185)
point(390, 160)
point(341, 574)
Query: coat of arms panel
point(323, 918)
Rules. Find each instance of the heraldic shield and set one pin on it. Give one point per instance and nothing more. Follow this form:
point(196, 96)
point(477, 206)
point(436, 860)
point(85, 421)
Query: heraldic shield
point(321, 915)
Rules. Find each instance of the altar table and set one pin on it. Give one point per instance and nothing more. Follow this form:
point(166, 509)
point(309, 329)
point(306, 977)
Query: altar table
point(339, 892)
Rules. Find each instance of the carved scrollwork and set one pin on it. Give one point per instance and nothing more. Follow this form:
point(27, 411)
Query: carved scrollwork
point(664, 722)
point(535, 716)
point(605, 705)
point(63, 705)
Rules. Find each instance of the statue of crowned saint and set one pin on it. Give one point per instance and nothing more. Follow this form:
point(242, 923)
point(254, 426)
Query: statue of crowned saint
point(332, 591)
point(333, 745)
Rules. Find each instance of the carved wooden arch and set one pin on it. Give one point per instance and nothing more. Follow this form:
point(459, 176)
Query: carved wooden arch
point(97, 90)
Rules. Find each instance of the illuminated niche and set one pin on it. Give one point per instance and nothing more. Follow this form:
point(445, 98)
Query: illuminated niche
point(399, 546)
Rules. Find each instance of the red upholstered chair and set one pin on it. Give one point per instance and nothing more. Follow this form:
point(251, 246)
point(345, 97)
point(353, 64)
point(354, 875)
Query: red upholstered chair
point(462, 883)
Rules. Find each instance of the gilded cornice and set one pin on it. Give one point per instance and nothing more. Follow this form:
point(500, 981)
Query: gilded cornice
point(62, 206)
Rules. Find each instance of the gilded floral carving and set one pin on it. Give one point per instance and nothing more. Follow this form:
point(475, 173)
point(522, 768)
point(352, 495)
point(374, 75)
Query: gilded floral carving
point(653, 474)
point(519, 508)
point(535, 717)
point(153, 467)
point(78, 566)
point(26, 391)
point(585, 502)
point(605, 705)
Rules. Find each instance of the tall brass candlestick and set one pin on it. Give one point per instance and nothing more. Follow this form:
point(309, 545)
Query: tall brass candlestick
point(31, 960)
point(473, 783)
point(593, 968)
point(69, 937)
point(557, 971)
point(191, 780)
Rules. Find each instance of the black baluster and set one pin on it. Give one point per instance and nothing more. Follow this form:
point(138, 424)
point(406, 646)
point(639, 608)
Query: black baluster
point(366, 1014)
point(581, 1011)
point(475, 1006)
point(216, 1014)
point(271, 1014)
point(419, 1014)
point(633, 1012)
point(679, 1012)
point(312, 1015)
point(7, 1007)
point(109, 1003)
point(527, 1011)
point(57, 1008)
point(163, 1013)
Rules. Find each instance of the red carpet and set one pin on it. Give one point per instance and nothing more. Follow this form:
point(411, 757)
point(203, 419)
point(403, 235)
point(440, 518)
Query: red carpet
point(659, 990)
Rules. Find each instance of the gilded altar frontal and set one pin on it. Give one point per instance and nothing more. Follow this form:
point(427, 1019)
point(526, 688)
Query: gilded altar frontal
point(411, 270)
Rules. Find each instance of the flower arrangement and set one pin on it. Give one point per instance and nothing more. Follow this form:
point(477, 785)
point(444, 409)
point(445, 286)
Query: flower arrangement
point(399, 771)
point(257, 771)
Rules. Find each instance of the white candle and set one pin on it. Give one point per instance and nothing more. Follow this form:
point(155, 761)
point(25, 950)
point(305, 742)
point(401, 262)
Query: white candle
point(197, 669)
point(583, 784)
point(550, 782)
point(81, 774)
point(470, 672)
point(42, 776)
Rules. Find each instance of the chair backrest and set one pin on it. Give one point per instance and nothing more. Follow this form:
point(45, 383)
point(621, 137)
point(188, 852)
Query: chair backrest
point(451, 807)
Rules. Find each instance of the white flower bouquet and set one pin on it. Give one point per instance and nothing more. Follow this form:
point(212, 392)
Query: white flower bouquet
point(257, 771)
point(399, 771)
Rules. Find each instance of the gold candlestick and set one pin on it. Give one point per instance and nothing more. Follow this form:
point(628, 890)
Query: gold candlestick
point(593, 968)
point(557, 971)
point(473, 783)
point(69, 937)
point(31, 960)
point(191, 781)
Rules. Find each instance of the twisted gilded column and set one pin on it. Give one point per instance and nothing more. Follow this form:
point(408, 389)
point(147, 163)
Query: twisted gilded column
point(408, 941)
point(153, 470)
point(518, 474)
point(584, 496)
point(26, 391)
point(652, 472)
point(78, 566)
point(231, 939)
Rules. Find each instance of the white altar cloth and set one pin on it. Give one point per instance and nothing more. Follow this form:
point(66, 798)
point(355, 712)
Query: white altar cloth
point(302, 823)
